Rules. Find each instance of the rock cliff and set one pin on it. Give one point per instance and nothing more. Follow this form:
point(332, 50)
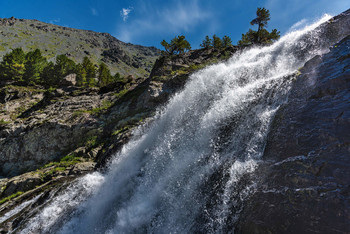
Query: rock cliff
point(303, 183)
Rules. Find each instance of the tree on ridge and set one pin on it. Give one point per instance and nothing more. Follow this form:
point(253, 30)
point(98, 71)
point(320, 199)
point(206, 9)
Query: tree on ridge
point(262, 36)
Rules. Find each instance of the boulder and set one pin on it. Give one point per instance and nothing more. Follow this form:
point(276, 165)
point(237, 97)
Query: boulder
point(69, 80)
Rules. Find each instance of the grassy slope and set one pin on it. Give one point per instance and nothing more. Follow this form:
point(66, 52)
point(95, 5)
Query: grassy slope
point(53, 40)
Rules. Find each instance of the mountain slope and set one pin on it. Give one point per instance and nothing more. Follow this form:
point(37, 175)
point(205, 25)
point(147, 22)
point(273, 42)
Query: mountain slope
point(52, 40)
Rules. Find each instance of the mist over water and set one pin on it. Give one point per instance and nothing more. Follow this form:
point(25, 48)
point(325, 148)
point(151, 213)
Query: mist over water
point(192, 169)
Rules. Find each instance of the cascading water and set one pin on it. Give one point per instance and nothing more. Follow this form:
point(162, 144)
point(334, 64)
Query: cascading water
point(191, 170)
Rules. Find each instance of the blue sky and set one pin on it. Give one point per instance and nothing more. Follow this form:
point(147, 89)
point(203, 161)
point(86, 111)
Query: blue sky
point(147, 22)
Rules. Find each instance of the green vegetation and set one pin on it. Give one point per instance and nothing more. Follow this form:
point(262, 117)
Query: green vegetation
point(91, 142)
point(121, 93)
point(226, 41)
point(123, 129)
point(6, 199)
point(34, 66)
point(86, 73)
point(177, 45)
point(262, 36)
point(3, 122)
point(216, 42)
point(65, 162)
point(95, 111)
point(104, 75)
point(33, 69)
point(13, 65)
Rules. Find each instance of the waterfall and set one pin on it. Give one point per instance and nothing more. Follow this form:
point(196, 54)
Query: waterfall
point(193, 167)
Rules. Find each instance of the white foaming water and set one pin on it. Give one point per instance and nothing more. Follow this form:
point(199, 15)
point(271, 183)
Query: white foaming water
point(18, 209)
point(188, 171)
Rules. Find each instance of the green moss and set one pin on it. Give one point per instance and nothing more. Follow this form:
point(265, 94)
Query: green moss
point(95, 111)
point(69, 158)
point(51, 172)
point(98, 110)
point(23, 89)
point(162, 78)
point(120, 130)
point(4, 122)
point(21, 109)
point(226, 55)
point(6, 199)
point(91, 142)
point(79, 113)
point(2, 48)
point(121, 93)
point(60, 169)
point(66, 161)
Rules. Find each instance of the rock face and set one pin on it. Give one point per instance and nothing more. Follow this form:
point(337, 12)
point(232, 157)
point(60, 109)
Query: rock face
point(69, 80)
point(304, 182)
point(40, 127)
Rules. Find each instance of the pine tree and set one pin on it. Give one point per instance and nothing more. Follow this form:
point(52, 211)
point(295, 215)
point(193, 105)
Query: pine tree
point(35, 63)
point(263, 16)
point(206, 43)
point(262, 36)
point(13, 65)
point(117, 77)
point(217, 43)
point(48, 76)
point(81, 75)
point(226, 41)
point(64, 66)
point(90, 72)
point(249, 38)
point(104, 75)
point(177, 45)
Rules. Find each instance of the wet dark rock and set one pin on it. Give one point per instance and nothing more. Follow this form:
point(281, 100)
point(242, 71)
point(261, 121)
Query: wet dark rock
point(304, 182)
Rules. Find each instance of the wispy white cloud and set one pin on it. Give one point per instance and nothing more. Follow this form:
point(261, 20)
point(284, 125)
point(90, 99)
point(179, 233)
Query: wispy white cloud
point(94, 12)
point(55, 21)
point(124, 13)
point(175, 18)
point(298, 25)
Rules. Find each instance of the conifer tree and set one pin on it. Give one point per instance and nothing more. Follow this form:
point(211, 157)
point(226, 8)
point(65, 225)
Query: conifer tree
point(263, 16)
point(64, 66)
point(81, 75)
point(104, 75)
point(117, 77)
point(90, 71)
point(13, 65)
point(177, 45)
point(48, 76)
point(226, 41)
point(206, 43)
point(217, 43)
point(34, 65)
point(262, 36)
